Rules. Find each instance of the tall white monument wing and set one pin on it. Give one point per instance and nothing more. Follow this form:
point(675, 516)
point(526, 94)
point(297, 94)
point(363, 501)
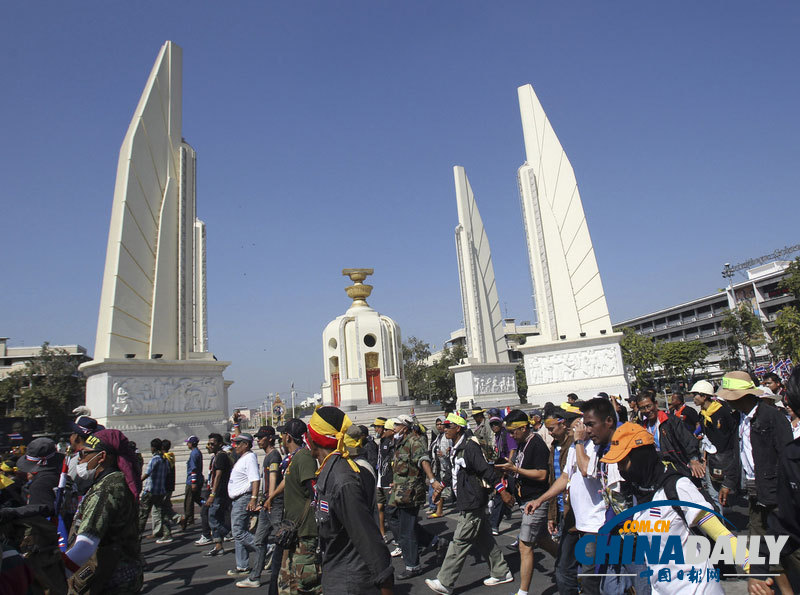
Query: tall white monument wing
point(153, 301)
point(486, 341)
point(569, 296)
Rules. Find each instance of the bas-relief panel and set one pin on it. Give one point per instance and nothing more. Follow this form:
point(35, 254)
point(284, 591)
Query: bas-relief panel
point(488, 383)
point(576, 365)
point(142, 396)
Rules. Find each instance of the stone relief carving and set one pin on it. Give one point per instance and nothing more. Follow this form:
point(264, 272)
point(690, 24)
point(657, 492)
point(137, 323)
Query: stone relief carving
point(488, 383)
point(146, 396)
point(560, 367)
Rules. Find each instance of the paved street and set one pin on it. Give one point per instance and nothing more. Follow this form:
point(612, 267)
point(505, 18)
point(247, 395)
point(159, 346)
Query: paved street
point(179, 567)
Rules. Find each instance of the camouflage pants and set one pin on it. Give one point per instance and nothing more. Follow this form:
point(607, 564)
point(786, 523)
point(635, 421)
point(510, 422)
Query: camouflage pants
point(300, 572)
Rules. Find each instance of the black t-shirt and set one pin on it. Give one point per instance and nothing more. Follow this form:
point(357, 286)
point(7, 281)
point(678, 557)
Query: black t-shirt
point(272, 464)
point(532, 454)
point(385, 456)
point(222, 464)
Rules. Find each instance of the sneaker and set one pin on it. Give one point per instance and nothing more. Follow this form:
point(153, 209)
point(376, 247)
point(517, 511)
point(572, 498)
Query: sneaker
point(165, 540)
point(214, 552)
point(409, 573)
point(248, 582)
point(204, 540)
point(495, 531)
point(238, 571)
point(396, 552)
point(514, 545)
point(228, 537)
point(492, 581)
point(437, 587)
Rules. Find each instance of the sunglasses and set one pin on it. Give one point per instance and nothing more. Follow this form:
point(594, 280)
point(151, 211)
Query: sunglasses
point(83, 452)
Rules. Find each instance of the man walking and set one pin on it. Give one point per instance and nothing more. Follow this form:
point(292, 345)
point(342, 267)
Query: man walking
point(154, 488)
point(530, 472)
point(267, 518)
point(411, 466)
point(217, 502)
point(470, 469)
point(672, 437)
point(300, 572)
point(243, 488)
point(194, 481)
point(764, 433)
point(719, 441)
point(355, 560)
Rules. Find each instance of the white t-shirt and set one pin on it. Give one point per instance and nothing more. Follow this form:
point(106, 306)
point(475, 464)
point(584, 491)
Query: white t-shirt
point(244, 472)
point(688, 492)
point(585, 493)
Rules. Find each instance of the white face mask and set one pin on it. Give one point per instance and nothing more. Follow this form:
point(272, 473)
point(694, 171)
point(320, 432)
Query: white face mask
point(83, 471)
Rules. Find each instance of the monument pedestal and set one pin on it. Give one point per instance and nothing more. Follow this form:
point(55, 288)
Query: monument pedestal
point(584, 367)
point(170, 399)
point(485, 384)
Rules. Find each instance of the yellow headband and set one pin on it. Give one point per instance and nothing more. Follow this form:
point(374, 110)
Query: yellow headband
point(518, 424)
point(456, 420)
point(319, 428)
point(566, 406)
point(736, 384)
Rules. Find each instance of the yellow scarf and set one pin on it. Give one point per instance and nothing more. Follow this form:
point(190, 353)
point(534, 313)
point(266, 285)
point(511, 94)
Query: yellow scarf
point(711, 410)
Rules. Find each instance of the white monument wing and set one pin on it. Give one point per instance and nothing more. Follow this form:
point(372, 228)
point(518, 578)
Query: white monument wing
point(568, 291)
point(486, 341)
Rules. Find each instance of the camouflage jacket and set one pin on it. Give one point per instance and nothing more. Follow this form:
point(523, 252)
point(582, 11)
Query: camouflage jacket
point(109, 511)
point(485, 438)
point(409, 485)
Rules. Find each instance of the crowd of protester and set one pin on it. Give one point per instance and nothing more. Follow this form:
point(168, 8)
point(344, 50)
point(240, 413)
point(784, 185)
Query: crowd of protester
point(323, 506)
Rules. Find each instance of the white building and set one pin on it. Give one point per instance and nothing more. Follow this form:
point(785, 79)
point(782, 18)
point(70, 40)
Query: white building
point(362, 354)
point(700, 319)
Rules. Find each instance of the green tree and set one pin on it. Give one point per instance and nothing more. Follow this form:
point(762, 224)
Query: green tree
point(679, 360)
point(786, 334)
point(745, 332)
point(415, 353)
point(641, 354)
point(441, 379)
point(49, 387)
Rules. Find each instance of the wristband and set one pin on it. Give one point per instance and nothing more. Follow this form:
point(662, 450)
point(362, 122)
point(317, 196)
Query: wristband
point(212, 494)
point(254, 497)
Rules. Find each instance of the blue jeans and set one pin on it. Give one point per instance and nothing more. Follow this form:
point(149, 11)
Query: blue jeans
point(566, 564)
point(267, 520)
point(216, 519)
point(412, 536)
point(243, 540)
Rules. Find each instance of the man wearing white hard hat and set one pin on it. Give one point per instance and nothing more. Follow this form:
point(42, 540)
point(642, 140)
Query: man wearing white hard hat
point(720, 441)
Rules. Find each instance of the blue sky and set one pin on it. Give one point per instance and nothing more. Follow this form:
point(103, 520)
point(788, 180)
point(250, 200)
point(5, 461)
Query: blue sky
point(326, 135)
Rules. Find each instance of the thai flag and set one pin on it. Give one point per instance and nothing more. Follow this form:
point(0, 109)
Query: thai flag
point(323, 506)
point(655, 513)
point(760, 370)
point(15, 436)
point(506, 411)
point(57, 519)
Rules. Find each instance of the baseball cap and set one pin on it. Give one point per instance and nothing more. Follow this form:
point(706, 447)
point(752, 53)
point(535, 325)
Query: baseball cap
point(296, 428)
point(264, 431)
point(704, 387)
point(242, 438)
point(763, 391)
point(192, 440)
point(389, 425)
point(41, 454)
point(379, 422)
point(627, 437)
point(86, 425)
point(404, 420)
